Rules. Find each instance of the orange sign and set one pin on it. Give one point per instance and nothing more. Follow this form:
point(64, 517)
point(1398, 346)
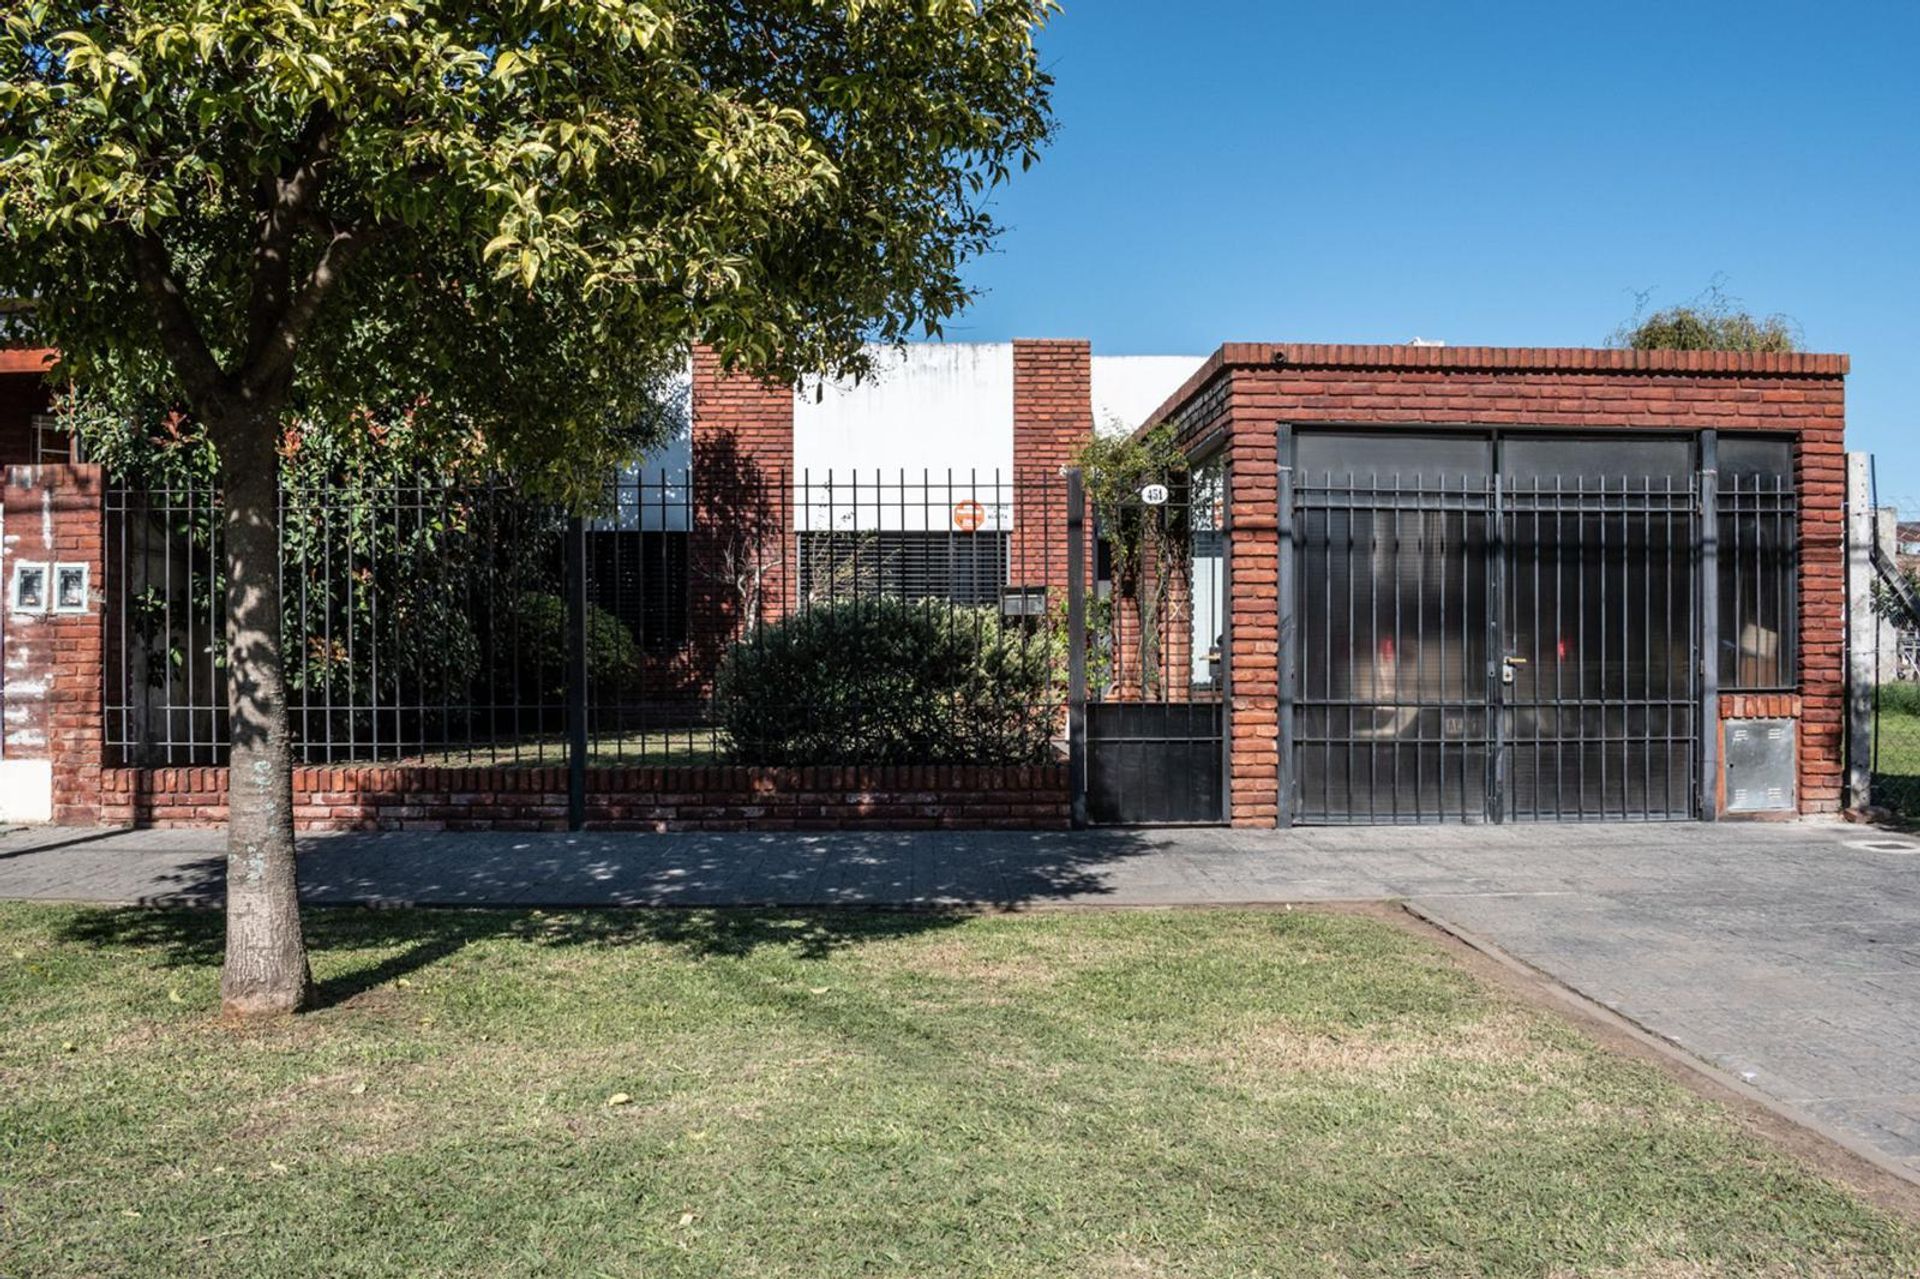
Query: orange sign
point(968, 516)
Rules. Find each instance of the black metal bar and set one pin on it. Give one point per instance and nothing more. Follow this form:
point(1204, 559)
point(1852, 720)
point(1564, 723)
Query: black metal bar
point(1496, 666)
point(576, 673)
point(1707, 596)
point(1077, 643)
point(1289, 641)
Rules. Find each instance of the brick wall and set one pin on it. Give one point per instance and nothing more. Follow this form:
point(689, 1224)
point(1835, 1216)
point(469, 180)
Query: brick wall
point(1249, 389)
point(1052, 420)
point(53, 661)
point(741, 547)
point(661, 799)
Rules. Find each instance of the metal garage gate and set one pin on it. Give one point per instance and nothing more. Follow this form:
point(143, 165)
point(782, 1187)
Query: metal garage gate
point(1494, 628)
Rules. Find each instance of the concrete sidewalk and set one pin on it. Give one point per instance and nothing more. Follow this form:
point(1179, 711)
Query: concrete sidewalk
point(1786, 954)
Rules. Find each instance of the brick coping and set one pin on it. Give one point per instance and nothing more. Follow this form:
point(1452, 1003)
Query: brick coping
point(1497, 359)
point(690, 797)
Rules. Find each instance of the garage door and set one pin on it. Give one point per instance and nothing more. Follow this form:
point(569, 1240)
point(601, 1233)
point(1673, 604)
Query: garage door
point(1494, 628)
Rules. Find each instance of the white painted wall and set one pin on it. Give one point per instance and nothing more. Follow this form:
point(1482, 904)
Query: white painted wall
point(26, 790)
point(653, 493)
point(939, 406)
point(938, 417)
point(1128, 388)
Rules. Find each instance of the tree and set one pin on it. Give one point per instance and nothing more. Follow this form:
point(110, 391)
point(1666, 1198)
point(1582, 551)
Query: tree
point(1712, 321)
point(512, 217)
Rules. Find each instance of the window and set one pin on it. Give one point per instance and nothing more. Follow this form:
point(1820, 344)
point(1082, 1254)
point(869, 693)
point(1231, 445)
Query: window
point(51, 443)
point(963, 568)
point(1393, 456)
point(641, 578)
point(1759, 565)
point(1207, 502)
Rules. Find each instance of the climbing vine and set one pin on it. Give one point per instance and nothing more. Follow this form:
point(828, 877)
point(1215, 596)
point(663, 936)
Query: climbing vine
point(1147, 544)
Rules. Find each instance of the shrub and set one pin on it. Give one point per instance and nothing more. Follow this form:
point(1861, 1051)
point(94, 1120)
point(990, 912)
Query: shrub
point(1711, 322)
point(613, 658)
point(890, 682)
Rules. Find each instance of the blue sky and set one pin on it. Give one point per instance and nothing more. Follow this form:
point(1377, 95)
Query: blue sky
point(1478, 173)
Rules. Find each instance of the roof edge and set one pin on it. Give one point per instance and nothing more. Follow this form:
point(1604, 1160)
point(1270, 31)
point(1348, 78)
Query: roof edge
point(27, 357)
point(1501, 359)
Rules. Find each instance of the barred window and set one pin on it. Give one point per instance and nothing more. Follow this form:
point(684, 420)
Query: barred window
point(1759, 565)
point(641, 578)
point(962, 568)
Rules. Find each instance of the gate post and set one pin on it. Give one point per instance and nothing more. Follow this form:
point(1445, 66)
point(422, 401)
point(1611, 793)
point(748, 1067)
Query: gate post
point(1864, 625)
point(576, 673)
point(1709, 628)
point(1077, 644)
point(1289, 636)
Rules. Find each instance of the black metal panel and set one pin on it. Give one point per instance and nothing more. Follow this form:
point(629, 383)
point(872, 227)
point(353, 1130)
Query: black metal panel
point(1393, 598)
point(1154, 762)
point(1498, 644)
point(1600, 713)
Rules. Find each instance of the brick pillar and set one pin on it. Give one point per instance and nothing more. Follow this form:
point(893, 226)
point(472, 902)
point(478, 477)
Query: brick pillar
point(53, 516)
point(1052, 420)
point(1253, 549)
point(741, 545)
point(1821, 471)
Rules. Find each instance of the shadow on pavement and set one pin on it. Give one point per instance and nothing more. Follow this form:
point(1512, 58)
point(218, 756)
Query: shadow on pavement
point(722, 894)
point(912, 869)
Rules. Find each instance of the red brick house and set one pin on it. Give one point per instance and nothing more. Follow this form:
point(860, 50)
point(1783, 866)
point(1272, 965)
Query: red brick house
point(1436, 584)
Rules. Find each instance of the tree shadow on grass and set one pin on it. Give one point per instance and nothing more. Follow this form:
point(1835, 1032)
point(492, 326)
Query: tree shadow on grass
point(401, 942)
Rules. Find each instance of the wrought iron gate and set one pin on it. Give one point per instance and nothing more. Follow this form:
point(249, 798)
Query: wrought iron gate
point(1494, 630)
point(1148, 668)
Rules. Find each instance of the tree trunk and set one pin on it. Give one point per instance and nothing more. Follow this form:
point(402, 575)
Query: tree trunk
point(266, 968)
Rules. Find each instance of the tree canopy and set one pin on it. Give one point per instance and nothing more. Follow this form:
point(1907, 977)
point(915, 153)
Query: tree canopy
point(500, 221)
point(515, 214)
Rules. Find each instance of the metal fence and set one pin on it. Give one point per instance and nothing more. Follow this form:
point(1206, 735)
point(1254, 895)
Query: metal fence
point(1896, 704)
point(469, 625)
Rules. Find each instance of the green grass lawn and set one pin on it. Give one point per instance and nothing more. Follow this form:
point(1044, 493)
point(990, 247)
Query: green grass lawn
point(683, 746)
point(1896, 771)
point(1113, 1095)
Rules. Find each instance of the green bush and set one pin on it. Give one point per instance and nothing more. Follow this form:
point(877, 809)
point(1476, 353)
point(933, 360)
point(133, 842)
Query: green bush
point(890, 682)
point(613, 658)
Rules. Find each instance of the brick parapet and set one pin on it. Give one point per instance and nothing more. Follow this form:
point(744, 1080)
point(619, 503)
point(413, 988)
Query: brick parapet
point(658, 799)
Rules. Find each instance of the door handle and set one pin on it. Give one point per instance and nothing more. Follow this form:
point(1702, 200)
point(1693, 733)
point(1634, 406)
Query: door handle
point(1507, 667)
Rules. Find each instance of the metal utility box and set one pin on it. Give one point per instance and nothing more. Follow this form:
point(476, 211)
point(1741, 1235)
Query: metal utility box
point(1761, 757)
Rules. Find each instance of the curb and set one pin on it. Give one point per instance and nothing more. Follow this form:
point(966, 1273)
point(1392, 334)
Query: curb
point(1668, 1050)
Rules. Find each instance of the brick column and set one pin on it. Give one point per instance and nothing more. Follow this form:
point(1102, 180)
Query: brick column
point(1253, 658)
point(741, 544)
point(1820, 463)
point(1052, 420)
point(54, 677)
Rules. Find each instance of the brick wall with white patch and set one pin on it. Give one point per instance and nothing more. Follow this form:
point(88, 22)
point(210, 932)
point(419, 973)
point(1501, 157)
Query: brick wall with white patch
point(51, 643)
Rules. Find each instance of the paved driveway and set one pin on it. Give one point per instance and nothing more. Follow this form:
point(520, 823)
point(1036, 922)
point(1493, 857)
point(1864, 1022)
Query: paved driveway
point(1787, 954)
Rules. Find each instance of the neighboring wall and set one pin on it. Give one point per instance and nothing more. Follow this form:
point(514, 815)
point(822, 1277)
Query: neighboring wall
point(1248, 389)
point(52, 681)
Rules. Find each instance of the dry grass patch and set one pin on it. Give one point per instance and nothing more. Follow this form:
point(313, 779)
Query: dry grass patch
point(1270, 1051)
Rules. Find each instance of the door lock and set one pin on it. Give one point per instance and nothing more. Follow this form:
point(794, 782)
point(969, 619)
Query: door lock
point(1508, 666)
